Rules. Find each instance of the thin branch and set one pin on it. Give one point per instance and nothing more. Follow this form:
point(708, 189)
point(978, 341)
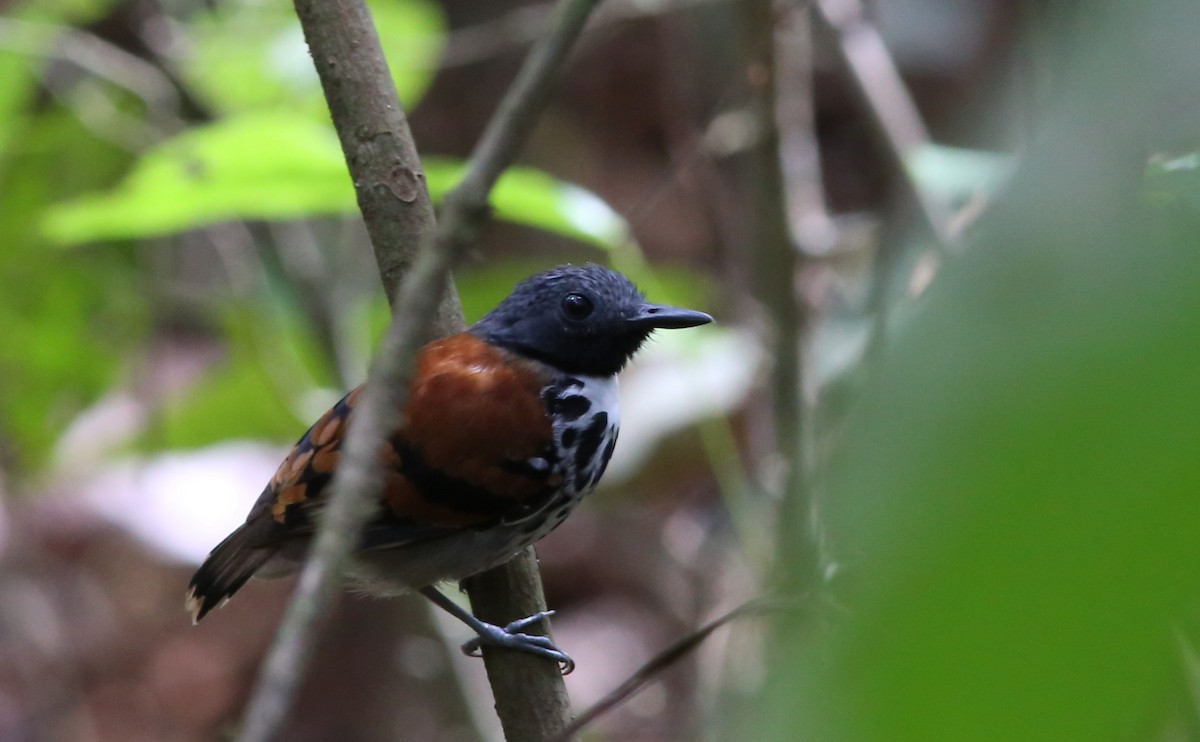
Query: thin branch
point(661, 661)
point(777, 263)
point(894, 115)
point(398, 214)
point(531, 699)
point(518, 27)
point(377, 143)
point(394, 201)
point(892, 110)
point(799, 152)
point(94, 55)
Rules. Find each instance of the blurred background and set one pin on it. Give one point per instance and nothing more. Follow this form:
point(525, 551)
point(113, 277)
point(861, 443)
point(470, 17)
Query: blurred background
point(949, 411)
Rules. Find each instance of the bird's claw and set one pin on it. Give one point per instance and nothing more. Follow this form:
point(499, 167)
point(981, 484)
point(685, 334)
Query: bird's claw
point(513, 637)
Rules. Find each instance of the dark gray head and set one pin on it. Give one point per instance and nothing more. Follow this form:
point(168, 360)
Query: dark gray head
point(579, 319)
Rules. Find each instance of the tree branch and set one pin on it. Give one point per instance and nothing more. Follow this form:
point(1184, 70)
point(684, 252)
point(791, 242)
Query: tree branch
point(398, 214)
point(531, 698)
point(392, 196)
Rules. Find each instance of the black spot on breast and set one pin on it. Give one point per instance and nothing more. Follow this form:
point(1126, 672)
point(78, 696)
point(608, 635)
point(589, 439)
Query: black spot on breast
point(608, 452)
point(568, 437)
point(589, 443)
point(571, 408)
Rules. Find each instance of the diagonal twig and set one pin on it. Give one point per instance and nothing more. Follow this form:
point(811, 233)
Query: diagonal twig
point(883, 93)
point(661, 661)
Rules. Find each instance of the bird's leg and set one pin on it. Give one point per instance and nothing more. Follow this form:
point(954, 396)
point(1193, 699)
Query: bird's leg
point(509, 637)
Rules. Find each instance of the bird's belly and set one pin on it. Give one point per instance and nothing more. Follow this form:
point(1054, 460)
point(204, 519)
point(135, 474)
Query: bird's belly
point(397, 570)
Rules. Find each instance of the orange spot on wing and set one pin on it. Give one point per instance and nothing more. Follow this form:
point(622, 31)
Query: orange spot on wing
point(326, 460)
point(286, 498)
point(326, 428)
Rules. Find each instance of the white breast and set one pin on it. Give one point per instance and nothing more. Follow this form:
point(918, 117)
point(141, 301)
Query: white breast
point(585, 417)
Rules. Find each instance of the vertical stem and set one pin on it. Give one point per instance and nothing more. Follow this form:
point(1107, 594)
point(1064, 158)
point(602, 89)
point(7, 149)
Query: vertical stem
point(531, 699)
point(776, 268)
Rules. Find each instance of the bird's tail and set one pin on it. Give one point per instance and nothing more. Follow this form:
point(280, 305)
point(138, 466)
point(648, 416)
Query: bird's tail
point(227, 568)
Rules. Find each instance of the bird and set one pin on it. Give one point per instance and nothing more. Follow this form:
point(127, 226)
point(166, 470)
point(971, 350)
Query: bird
point(506, 427)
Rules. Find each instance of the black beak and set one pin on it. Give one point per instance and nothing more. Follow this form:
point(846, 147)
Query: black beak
point(660, 317)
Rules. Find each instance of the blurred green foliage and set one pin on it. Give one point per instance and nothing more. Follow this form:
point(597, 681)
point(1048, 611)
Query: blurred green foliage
point(122, 160)
point(67, 324)
point(272, 165)
point(268, 165)
point(955, 174)
point(1014, 514)
point(250, 56)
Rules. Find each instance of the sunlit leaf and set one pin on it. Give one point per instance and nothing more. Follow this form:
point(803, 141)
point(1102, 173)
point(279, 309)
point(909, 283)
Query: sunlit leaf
point(257, 391)
point(537, 199)
point(255, 166)
point(271, 166)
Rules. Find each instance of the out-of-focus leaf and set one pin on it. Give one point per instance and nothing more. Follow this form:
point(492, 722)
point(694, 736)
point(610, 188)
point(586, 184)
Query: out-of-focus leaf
point(67, 321)
point(411, 33)
point(276, 166)
point(75, 12)
point(537, 199)
point(27, 33)
point(1175, 180)
point(956, 174)
point(229, 402)
point(258, 391)
point(679, 380)
point(254, 166)
point(1014, 507)
point(252, 56)
point(18, 75)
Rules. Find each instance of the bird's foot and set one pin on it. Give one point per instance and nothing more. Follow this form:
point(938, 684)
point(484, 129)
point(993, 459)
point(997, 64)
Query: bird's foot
point(512, 637)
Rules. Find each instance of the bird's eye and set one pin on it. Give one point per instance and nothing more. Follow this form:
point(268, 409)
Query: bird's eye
point(577, 306)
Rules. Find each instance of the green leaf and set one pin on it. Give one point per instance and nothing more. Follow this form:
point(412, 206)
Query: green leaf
point(254, 166)
point(412, 33)
point(229, 402)
point(258, 391)
point(539, 200)
point(252, 56)
point(70, 322)
point(272, 165)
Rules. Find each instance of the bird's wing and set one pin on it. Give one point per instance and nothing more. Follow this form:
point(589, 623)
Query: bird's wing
point(475, 447)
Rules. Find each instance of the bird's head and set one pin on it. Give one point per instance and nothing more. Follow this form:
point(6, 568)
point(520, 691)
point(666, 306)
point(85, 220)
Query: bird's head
point(580, 319)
